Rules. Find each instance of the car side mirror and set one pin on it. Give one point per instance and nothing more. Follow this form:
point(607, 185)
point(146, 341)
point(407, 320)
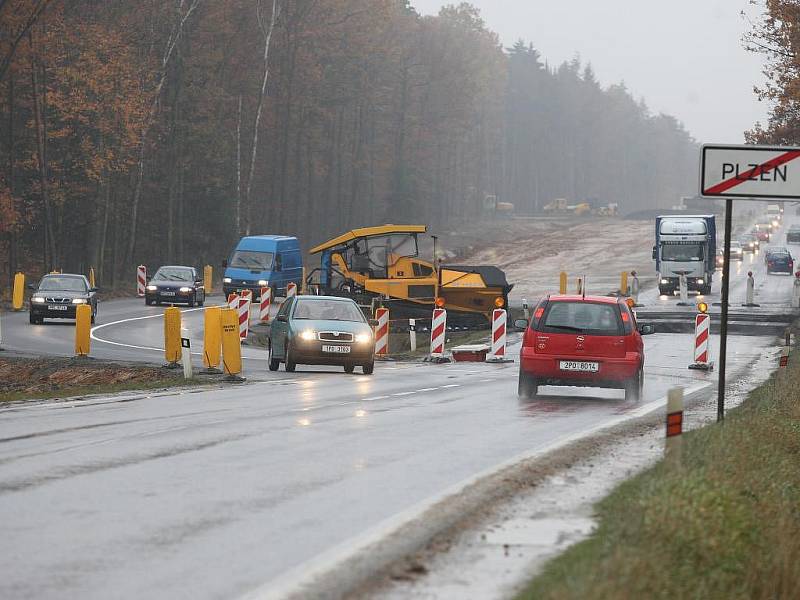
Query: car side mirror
point(647, 329)
point(373, 322)
point(94, 289)
point(521, 323)
point(225, 263)
point(30, 286)
point(282, 318)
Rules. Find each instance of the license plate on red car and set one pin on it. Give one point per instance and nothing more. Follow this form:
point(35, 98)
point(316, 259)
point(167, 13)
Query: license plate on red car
point(582, 366)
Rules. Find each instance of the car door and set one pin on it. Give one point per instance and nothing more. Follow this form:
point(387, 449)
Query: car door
point(279, 330)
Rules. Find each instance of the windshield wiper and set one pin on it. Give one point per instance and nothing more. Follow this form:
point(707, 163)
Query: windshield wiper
point(565, 328)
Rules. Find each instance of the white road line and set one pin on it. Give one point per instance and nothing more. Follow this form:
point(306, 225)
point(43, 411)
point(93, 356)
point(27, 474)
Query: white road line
point(452, 385)
point(404, 394)
point(374, 398)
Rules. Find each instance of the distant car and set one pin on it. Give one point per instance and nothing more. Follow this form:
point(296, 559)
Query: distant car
point(719, 261)
point(779, 260)
point(749, 243)
point(58, 296)
point(321, 330)
point(793, 235)
point(763, 231)
point(590, 341)
point(175, 285)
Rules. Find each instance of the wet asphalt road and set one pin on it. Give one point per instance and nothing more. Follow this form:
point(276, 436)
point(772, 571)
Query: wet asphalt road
point(215, 492)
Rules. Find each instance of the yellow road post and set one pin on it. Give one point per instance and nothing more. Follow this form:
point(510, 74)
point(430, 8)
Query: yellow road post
point(212, 338)
point(83, 327)
point(172, 337)
point(19, 291)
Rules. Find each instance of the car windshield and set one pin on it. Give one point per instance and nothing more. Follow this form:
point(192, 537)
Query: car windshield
point(250, 259)
point(328, 310)
point(62, 284)
point(582, 318)
point(173, 274)
point(682, 252)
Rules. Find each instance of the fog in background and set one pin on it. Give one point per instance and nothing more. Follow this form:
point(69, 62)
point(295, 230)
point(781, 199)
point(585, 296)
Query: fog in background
point(684, 57)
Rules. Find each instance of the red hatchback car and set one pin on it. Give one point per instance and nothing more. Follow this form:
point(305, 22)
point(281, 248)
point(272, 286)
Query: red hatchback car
point(590, 341)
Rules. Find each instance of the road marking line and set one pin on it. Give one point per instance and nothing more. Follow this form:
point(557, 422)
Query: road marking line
point(450, 385)
point(404, 394)
point(374, 398)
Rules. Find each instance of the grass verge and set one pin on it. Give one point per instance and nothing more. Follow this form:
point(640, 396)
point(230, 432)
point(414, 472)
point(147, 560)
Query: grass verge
point(41, 378)
point(725, 523)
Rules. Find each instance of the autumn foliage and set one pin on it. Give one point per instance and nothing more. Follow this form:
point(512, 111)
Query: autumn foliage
point(127, 129)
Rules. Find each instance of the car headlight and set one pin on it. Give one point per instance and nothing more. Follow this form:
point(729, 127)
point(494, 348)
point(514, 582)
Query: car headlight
point(263, 282)
point(152, 288)
point(363, 338)
point(226, 280)
point(79, 300)
point(186, 289)
point(701, 281)
point(665, 281)
point(308, 335)
point(38, 300)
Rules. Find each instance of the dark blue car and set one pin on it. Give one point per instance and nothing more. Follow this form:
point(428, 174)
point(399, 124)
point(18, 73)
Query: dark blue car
point(779, 260)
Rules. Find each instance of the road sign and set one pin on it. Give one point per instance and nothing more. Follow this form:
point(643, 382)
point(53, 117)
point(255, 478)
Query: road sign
point(752, 172)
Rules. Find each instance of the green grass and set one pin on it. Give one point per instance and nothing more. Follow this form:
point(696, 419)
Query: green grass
point(725, 523)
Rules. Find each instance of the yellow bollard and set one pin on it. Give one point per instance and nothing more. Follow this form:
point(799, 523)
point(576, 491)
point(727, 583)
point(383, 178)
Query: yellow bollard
point(92, 282)
point(208, 279)
point(212, 338)
point(172, 336)
point(623, 284)
point(19, 291)
point(562, 284)
point(231, 344)
point(83, 326)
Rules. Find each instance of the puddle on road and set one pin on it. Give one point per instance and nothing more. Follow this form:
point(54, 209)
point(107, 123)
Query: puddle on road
point(539, 532)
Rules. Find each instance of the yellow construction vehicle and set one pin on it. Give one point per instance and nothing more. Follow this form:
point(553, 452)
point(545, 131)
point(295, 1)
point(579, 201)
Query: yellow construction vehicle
point(383, 263)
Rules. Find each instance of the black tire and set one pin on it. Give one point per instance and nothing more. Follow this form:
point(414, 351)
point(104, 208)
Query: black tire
point(191, 301)
point(634, 386)
point(369, 368)
point(349, 369)
point(274, 363)
point(34, 320)
point(527, 387)
point(203, 301)
point(290, 364)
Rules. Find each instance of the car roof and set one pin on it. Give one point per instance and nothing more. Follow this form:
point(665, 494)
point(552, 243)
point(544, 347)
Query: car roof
point(73, 275)
point(175, 267)
point(576, 298)
point(315, 298)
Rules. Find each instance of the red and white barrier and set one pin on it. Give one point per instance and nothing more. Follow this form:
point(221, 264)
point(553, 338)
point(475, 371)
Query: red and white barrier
point(438, 332)
point(244, 316)
point(291, 290)
point(498, 351)
point(382, 332)
point(702, 335)
point(233, 301)
point(263, 307)
point(141, 280)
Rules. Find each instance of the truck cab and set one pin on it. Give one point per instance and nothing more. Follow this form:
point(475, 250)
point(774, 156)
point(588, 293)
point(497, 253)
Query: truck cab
point(685, 245)
point(259, 261)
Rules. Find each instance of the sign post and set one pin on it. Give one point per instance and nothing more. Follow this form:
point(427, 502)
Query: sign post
point(747, 173)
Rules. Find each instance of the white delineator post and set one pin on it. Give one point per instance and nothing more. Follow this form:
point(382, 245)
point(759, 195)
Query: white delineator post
point(635, 287)
point(751, 289)
point(796, 291)
point(186, 354)
point(244, 316)
point(412, 333)
point(438, 332)
point(264, 304)
point(683, 284)
point(498, 351)
point(672, 448)
point(702, 350)
point(382, 332)
point(141, 280)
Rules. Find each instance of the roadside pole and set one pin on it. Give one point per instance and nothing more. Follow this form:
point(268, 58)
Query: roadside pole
point(723, 332)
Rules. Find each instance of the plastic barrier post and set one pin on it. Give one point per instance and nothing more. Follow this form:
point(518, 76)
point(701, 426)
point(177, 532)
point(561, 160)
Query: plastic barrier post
point(92, 282)
point(244, 316)
point(291, 290)
point(208, 279)
point(141, 280)
point(264, 304)
point(438, 332)
point(702, 350)
point(498, 350)
point(796, 291)
point(623, 284)
point(231, 345)
point(83, 325)
point(672, 448)
point(212, 339)
point(635, 288)
point(233, 301)
point(683, 284)
point(412, 332)
point(19, 291)
point(172, 337)
point(562, 283)
point(382, 332)
point(751, 290)
point(186, 354)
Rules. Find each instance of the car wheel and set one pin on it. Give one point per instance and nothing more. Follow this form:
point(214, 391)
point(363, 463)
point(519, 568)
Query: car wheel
point(274, 363)
point(369, 368)
point(634, 387)
point(149, 302)
point(290, 364)
point(203, 301)
point(191, 302)
point(33, 320)
point(527, 387)
point(349, 368)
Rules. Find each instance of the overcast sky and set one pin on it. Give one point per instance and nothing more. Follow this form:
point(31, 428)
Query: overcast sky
point(684, 57)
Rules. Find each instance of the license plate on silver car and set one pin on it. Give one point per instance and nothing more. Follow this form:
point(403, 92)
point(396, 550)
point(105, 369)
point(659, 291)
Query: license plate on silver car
point(56, 307)
point(585, 367)
point(336, 349)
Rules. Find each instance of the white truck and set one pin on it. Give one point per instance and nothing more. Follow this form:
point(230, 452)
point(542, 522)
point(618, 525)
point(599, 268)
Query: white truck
point(685, 245)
